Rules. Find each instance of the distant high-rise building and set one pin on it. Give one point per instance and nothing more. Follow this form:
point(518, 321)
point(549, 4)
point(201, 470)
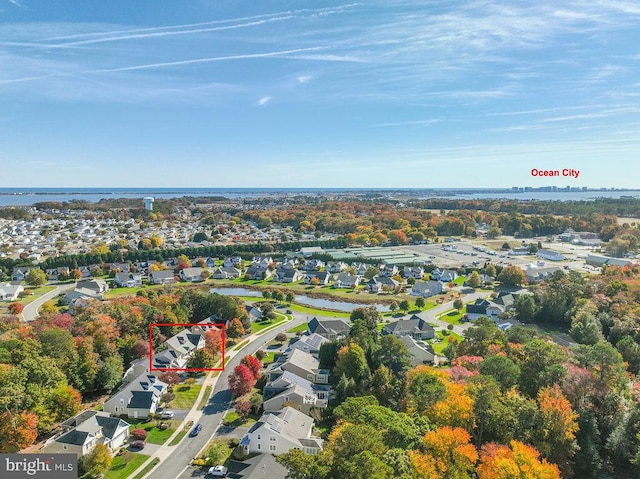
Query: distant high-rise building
point(148, 203)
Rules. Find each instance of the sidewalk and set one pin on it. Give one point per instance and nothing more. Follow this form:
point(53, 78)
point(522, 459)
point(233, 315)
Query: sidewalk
point(194, 413)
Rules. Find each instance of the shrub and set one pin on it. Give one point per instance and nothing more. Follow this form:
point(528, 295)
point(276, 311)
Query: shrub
point(139, 434)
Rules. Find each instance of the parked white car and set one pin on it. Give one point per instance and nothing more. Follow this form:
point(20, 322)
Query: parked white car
point(217, 471)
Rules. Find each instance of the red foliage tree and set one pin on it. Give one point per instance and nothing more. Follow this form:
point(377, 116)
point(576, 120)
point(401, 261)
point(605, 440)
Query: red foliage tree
point(241, 380)
point(16, 308)
point(213, 341)
point(139, 434)
point(170, 377)
point(243, 408)
point(253, 364)
point(17, 431)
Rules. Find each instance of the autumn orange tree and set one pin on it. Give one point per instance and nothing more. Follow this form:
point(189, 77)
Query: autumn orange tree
point(498, 461)
point(213, 341)
point(432, 392)
point(447, 454)
point(17, 430)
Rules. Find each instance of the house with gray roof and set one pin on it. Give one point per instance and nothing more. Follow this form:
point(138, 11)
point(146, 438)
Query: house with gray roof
point(309, 343)
point(426, 289)
point(226, 272)
point(381, 284)
point(128, 280)
point(138, 398)
point(278, 432)
point(300, 363)
point(82, 433)
point(162, 277)
point(291, 389)
point(421, 352)
point(192, 275)
point(346, 280)
point(329, 328)
point(257, 467)
point(416, 328)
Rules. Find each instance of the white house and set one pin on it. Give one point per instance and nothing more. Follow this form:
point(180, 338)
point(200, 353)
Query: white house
point(10, 292)
point(278, 432)
point(138, 398)
point(82, 433)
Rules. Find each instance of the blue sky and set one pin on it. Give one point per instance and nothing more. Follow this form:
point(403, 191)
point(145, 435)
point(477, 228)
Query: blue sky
point(382, 93)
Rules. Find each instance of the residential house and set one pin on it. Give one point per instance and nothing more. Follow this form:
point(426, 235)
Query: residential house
point(522, 251)
point(257, 271)
point(179, 348)
point(491, 308)
point(54, 273)
point(232, 262)
point(416, 272)
point(257, 467)
point(336, 266)
point(192, 275)
point(290, 389)
point(388, 270)
point(279, 432)
point(82, 433)
point(478, 308)
point(536, 274)
point(288, 275)
point(426, 289)
point(10, 292)
point(323, 277)
point(421, 352)
point(415, 327)
point(301, 364)
point(120, 267)
point(346, 280)
point(382, 284)
point(97, 286)
point(162, 277)
point(226, 272)
point(446, 275)
point(19, 274)
point(485, 279)
point(138, 398)
point(329, 328)
point(313, 265)
point(361, 268)
point(128, 280)
point(309, 343)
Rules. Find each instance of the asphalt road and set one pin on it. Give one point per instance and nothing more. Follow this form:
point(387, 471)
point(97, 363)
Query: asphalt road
point(30, 311)
point(213, 413)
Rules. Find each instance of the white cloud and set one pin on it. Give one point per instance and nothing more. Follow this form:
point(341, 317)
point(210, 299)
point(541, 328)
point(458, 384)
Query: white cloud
point(264, 100)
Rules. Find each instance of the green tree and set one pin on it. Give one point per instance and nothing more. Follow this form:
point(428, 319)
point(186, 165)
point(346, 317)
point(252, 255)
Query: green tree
point(541, 365)
point(109, 374)
point(525, 308)
point(352, 363)
point(585, 326)
point(97, 461)
point(404, 305)
point(371, 272)
point(420, 303)
point(36, 277)
point(474, 280)
point(458, 304)
point(235, 329)
point(512, 276)
point(502, 369)
point(392, 353)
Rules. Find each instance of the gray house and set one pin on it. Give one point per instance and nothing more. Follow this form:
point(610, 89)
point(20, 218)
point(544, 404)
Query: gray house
point(417, 328)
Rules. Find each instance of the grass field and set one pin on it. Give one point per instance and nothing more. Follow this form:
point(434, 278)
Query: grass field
point(185, 396)
point(185, 429)
point(120, 470)
point(147, 468)
point(298, 329)
point(256, 327)
point(205, 398)
point(233, 419)
point(438, 348)
point(452, 316)
point(156, 436)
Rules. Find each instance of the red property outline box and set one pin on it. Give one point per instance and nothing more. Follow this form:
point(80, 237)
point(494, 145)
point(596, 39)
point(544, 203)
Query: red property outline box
point(185, 325)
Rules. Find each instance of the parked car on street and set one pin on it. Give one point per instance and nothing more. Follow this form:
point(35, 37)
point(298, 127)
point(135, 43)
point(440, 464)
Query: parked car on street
point(217, 471)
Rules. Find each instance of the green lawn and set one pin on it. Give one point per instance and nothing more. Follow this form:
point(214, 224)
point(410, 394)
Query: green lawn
point(438, 348)
point(120, 470)
point(37, 292)
point(185, 396)
point(185, 429)
point(452, 316)
point(256, 327)
point(205, 398)
point(147, 468)
point(233, 419)
point(269, 358)
point(318, 312)
point(156, 436)
point(298, 329)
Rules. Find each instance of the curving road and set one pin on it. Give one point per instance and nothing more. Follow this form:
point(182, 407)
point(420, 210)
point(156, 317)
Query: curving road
point(30, 311)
